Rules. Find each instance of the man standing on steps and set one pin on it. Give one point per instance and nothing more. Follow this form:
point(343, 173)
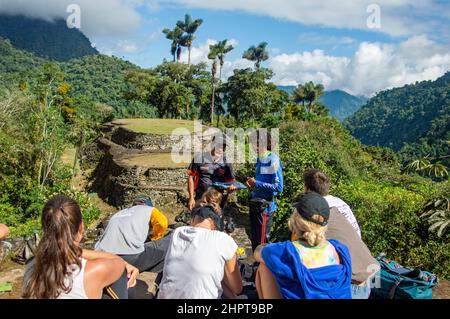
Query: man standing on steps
point(267, 183)
point(213, 167)
point(127, 232)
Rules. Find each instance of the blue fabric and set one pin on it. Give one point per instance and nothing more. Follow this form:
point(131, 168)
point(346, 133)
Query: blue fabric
point(298, 282)
point(269, 179)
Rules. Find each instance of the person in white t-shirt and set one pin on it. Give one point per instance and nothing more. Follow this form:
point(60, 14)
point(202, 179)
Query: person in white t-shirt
point(201, 262)
point(316, 181)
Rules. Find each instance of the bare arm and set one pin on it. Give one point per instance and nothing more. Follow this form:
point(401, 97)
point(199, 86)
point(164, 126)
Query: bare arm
point(232, 277)
point(4, 231)
point(191, 192)
point(94, 255)
point(101, 273)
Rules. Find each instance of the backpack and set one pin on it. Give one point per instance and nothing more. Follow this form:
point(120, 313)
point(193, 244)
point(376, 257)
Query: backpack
point(398, 282)
point(26, 249)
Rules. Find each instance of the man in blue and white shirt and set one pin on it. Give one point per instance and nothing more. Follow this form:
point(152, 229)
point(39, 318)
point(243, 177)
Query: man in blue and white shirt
point(267, 183)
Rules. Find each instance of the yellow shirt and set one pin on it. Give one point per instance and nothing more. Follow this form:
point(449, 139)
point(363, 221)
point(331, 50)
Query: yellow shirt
point(158, 224)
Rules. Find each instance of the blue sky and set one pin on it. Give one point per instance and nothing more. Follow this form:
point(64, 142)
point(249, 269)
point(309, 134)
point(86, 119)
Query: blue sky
point(329, 41)
point(281, 35)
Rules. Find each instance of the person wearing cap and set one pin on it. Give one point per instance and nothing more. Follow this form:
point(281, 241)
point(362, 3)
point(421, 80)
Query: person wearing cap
point(201, 262)
point(266, 185)
point(343, 226)
point(311, 267)
point(209, 168)
point(127, 232)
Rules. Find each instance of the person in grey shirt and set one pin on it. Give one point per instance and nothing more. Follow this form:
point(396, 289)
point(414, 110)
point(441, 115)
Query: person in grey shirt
point(364, 267)
point(127, 232)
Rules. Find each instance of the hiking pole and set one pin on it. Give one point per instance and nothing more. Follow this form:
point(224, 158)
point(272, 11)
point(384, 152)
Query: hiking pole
point(263, 227)
point(265, 207)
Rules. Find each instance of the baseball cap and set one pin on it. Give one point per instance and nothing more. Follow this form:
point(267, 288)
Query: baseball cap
point(310, 204)
point(143, 200)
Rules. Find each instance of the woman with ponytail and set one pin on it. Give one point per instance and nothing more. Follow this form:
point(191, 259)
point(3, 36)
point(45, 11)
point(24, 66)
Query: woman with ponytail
point(310, 267)
point(62, 269)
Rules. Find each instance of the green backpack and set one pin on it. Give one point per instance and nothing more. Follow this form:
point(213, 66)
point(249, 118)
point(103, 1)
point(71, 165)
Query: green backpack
point(398, 282)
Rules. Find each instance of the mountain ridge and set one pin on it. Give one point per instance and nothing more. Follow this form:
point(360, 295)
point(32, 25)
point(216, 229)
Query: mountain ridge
point(49, 40)
point(340, 103)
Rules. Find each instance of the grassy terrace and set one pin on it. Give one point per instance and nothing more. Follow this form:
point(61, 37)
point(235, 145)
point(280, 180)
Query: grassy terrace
point(156, 160)
point(155, 126)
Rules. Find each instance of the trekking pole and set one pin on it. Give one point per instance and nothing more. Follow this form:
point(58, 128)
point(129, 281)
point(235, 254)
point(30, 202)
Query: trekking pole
point(263, 227)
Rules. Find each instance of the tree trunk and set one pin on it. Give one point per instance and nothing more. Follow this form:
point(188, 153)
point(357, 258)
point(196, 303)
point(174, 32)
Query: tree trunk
point(189, 55)
point(212, 101)
point(74, 165)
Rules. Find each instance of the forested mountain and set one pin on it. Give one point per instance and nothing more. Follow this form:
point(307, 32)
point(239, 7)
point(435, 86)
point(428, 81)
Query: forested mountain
point(52, 40)
point(340, 103)
point(413, 119)
point(97, 78)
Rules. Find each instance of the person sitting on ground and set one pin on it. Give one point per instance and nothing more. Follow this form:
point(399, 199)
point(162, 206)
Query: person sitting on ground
point(316, 181)
point(62, 269)
point(310, 267)
point(364, 266)
point(127, 233)
point(4, 231)
point(201, 262)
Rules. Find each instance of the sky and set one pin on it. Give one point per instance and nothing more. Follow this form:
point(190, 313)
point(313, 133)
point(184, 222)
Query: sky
point(359, 46)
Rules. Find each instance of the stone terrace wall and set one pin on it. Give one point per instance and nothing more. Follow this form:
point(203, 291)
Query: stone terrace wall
point(141, 141)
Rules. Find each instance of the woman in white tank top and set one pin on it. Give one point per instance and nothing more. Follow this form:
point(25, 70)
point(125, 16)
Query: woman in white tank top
point(61, 268)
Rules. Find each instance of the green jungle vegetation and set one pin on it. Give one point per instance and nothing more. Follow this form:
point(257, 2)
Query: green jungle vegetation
point(47, 107)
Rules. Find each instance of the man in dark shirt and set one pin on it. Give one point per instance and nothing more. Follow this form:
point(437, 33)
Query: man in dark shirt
point(212, 168)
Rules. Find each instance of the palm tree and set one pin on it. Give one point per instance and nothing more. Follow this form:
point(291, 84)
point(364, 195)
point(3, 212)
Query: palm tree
point(222, 49)
point(438, 215)
point(298, 95)
point(312, 93)
point(213, 55)
point(189, 26)
point(175, 36)
point(257, 54)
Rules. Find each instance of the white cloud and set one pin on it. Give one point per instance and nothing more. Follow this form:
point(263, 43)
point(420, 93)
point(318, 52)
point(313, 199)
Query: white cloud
point(398, 17)
point(373, 67)
point(109, 17)
point(98, 18)
point(319, 39)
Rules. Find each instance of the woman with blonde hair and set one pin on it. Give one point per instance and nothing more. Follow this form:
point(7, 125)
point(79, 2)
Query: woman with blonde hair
point(310, 267)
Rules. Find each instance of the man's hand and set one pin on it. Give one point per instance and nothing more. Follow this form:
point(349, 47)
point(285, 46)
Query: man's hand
point(191, 203)
point(132, 273)
point(232, 188)
point(251, 182)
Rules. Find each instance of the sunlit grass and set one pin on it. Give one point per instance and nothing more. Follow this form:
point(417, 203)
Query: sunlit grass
point(155, 126)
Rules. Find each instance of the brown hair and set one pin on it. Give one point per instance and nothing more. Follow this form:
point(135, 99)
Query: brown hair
point(213, 198)
point(57, 250)
point(312, 233)
point(316, 181)
point(267, 137)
